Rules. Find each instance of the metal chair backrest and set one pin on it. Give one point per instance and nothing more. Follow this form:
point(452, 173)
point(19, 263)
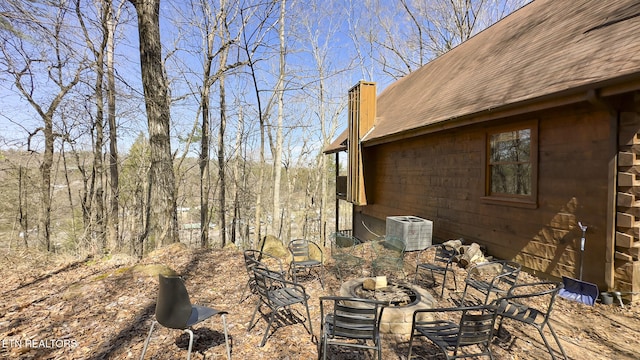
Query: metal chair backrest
point(476, 329)
point(509, 273)
point(342, 245)
point(344, 241)
point(354, 318)
point(493, 277)
point(173, 307)
point(349, 319)
point(444, 254)
point(529, 302)
point(390, 247)
point(453, 328)
point(265, 280)
point(253, 258)
point(304, 251)
point(300, 249)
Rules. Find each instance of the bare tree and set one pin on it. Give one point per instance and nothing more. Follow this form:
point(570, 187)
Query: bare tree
point(215, 25)
point(428, 29)
point(327, 105)
point(237, 174)
point(99, 52)
point(252, 41)
point(162, 227)
point(113, 226)
point(134, 191)
point(277, 150)
point(26, 61)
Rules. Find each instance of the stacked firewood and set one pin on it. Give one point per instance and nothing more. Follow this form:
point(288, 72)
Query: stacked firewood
point(467, 254)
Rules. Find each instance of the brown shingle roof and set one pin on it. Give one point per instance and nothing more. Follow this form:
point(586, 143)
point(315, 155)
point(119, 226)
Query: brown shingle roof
point(339, 144)
point(547, 47)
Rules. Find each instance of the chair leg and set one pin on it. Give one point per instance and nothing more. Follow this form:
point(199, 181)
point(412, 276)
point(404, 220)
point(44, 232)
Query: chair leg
point(547, 343)
point(266, 331)
point(226, 336)
point(321, 276)
point(251, 323)
point(324, 347)
point(464, 294)
point(306, 305)
point(242, 298)
point(455, 282)
point(410, 345)
point(190, 342)
point(564, 355)
point(489, 352)
point(146, 342)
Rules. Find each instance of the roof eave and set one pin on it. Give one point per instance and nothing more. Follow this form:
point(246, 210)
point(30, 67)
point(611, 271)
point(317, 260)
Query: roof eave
point(624, 84)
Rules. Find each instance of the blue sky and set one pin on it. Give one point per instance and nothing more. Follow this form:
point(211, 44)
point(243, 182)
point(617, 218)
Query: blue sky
point(334, 24)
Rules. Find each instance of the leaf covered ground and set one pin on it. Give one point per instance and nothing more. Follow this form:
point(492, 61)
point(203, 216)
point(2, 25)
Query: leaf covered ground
point(57, 308)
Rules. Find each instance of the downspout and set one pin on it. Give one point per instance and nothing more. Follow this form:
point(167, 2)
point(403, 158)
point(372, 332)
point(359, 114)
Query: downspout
point(612, 175)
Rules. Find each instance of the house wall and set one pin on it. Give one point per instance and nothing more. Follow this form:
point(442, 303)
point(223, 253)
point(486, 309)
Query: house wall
point(440, 177)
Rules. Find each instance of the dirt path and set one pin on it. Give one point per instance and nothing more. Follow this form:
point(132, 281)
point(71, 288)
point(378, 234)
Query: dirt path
point(102, 309)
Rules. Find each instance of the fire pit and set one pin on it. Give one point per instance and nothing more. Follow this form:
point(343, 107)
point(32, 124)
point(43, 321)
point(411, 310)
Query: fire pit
point(395, 294)
point(404, 299)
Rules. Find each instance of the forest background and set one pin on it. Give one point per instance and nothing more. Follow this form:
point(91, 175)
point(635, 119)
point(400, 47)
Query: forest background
point(130, 124)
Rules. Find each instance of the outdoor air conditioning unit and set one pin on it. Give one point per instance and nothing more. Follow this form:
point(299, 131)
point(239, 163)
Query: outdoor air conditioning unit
point(415, 232)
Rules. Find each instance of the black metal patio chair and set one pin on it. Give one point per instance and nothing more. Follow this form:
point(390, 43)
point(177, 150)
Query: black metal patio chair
point(492, 277)
point(389, 257)
point(306, 256)
point(531, 303)
point(439, 260)
point(344, 253)
point(257, 258)
point(350, 322)
point(278, 295)
point(175, 311)
point(473, 329)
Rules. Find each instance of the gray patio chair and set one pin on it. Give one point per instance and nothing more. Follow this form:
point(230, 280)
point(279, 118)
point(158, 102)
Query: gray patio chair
point(389, 257)
point(345, 319)
point(439, 260)
point(175, 311)
point(493, 277)
point(531, 304)
point(257, 258)
point(306, 256)
point(344, 253)
point(278, 295)
point(474, 328)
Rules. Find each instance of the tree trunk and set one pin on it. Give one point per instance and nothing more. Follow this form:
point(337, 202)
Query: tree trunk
point(45, 171)
point(221, 156)
point(22, 210)
point(98, 228)
point(113, 229)
point(235, 229)
point(205, 178)
point(163, 222)
point(225, 38)
point(277, 158)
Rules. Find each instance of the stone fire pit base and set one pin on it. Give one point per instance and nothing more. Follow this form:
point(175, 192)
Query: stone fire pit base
point(395, 319)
